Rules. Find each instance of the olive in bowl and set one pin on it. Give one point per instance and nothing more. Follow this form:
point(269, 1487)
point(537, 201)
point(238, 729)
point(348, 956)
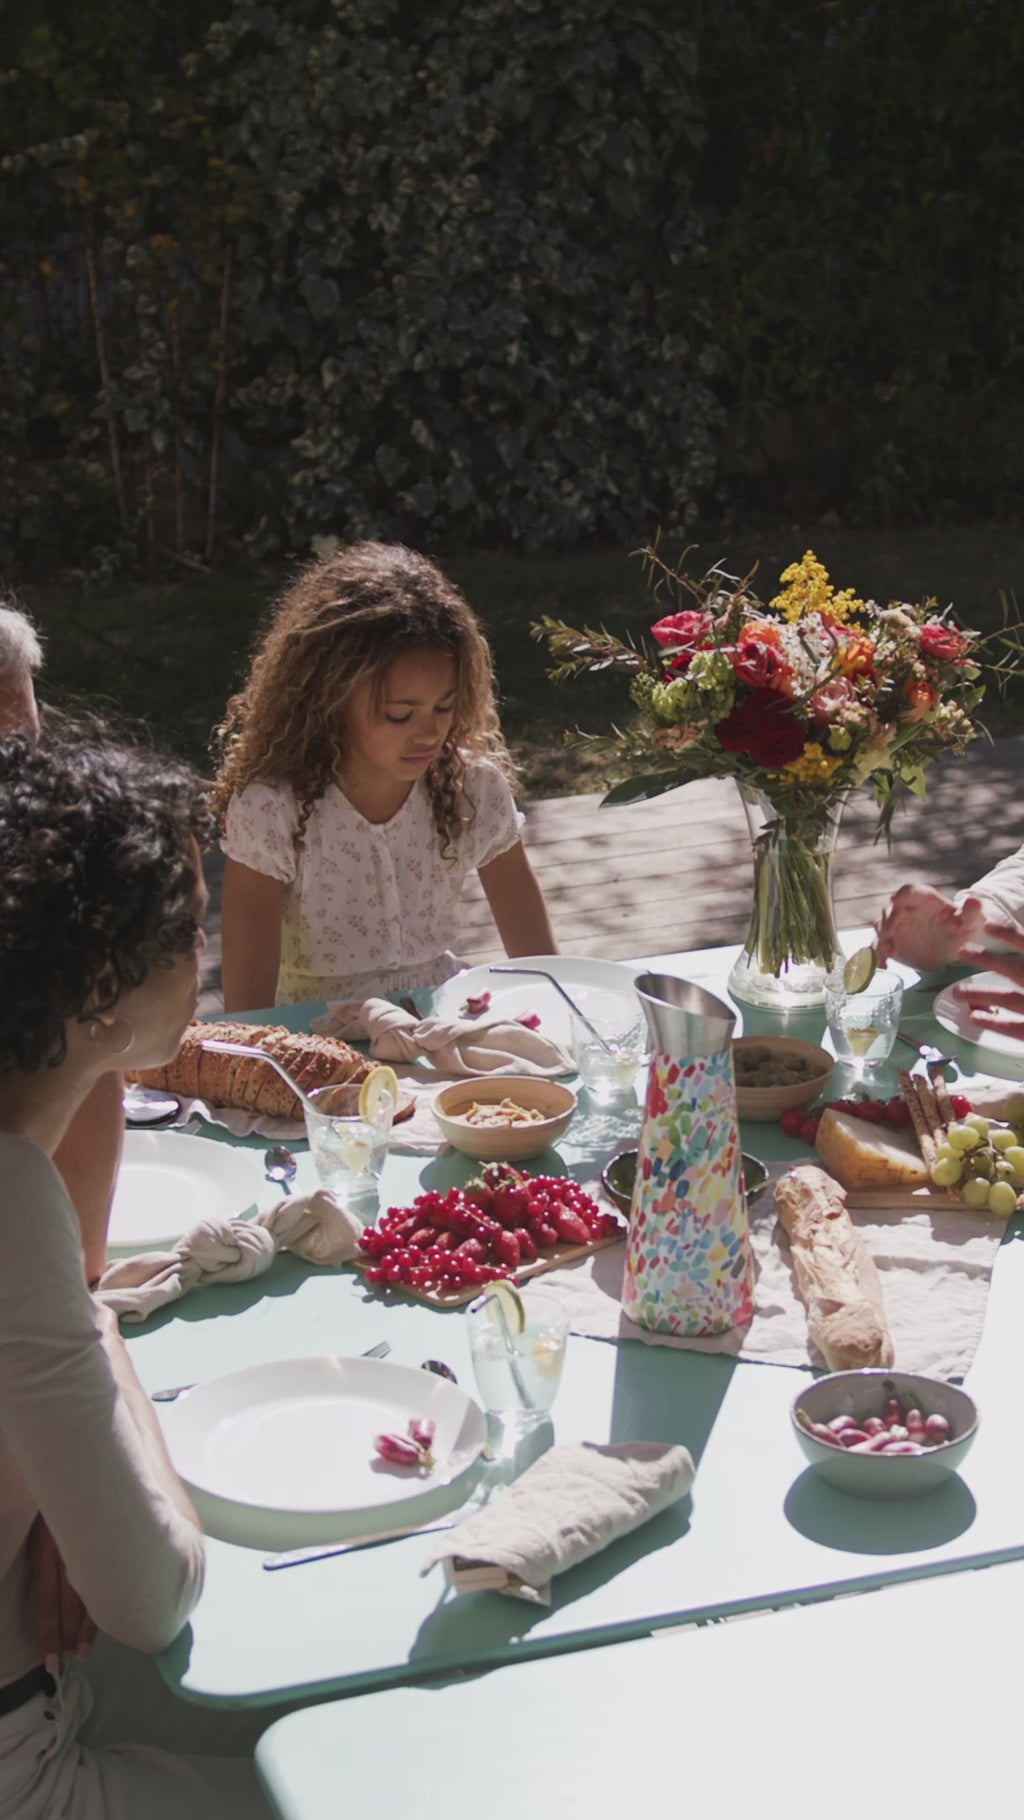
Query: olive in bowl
point(908, 1433)
point(773, 1073)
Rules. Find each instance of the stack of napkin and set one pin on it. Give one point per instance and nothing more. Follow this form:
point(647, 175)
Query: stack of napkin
point(315, 1226)
point(566, 1507)
point(458, 1046)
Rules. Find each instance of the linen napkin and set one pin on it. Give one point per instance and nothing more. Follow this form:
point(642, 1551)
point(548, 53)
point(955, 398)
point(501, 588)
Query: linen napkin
point(315, 1226)
point(566, 1507)
point(456, 1046)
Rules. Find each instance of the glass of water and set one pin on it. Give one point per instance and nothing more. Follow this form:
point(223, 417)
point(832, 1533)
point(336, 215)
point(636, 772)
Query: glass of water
point(517, 1378)
point(608, 1068)
point(348, 1151)
point(863, 1024)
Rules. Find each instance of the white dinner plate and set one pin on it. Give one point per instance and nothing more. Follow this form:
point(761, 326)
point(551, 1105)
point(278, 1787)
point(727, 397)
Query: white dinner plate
point(595, 985)
point(169, 1180)
point(282, 1453)
point(956, 1018)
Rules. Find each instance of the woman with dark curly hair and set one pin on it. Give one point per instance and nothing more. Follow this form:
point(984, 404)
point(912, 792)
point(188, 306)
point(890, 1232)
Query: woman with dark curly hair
point(364, 775)
point(101, 907)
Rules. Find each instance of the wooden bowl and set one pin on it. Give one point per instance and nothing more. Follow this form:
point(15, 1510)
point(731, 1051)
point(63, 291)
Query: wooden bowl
point(763, 1104)
point(504, 1143)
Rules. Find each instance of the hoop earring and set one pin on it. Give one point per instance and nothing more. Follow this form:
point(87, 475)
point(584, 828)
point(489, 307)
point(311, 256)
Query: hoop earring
point(97, 1026)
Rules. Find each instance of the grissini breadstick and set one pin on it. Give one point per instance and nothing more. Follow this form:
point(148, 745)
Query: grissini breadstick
point(918, 1117)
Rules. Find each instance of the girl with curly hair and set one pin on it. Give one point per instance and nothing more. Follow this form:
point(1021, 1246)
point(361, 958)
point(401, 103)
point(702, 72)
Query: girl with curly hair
point(101, 907)
point(363, 776)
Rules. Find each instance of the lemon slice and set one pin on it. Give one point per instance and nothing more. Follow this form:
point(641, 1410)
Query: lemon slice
point(503, 1294)
point(860, 969)
point(380, 1082)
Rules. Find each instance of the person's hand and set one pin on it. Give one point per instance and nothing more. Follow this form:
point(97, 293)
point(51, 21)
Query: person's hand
point(64, 1629)
point(988, 1007)
point(925, 929)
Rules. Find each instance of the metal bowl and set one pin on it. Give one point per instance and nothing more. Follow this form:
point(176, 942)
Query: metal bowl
point(619, 1175)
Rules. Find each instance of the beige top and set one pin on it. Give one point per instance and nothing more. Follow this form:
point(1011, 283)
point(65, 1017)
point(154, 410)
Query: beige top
point(369, 907)
point(1002, 889)
point(68, 1443)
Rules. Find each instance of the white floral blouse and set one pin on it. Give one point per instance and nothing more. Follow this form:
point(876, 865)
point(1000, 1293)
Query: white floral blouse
point(368, 906)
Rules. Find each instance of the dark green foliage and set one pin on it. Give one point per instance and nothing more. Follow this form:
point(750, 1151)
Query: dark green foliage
point(501, 272)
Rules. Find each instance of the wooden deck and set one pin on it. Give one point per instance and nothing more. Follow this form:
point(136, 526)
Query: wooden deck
point(676, 873)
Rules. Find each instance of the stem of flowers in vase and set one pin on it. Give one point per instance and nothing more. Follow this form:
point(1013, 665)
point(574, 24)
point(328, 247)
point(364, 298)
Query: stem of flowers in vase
point(793, 920)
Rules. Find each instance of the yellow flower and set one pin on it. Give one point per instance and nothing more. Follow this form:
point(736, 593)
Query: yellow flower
point(814, 766)
point(807, 589)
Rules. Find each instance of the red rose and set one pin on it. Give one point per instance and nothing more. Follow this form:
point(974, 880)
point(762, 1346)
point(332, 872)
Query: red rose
point(758, 664)
point(764, 729)
point(942, 643)
point(684, 632)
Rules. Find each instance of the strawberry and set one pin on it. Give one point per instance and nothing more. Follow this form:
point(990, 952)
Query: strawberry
point(527, 1245)
point(505, 1247)
point(545, 1234)
point(572, 1230)
point(511, 1204)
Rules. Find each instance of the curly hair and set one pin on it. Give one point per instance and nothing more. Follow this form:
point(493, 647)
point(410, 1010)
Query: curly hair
point(340, 625)
point(97, 880)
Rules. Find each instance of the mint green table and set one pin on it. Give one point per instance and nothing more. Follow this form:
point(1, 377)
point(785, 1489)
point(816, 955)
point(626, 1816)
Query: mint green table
point(901, 1703)
point(759, 1531)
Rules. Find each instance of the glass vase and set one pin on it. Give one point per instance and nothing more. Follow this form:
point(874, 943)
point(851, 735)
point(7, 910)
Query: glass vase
point(792, 942)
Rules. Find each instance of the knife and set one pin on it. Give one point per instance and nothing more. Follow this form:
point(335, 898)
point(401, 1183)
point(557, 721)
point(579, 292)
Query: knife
point(931, 1055)
point(294, 1557)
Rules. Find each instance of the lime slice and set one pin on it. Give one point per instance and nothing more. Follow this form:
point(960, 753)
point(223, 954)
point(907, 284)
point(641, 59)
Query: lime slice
point(380, 1082)
point(505, 1295)
point(860, 969)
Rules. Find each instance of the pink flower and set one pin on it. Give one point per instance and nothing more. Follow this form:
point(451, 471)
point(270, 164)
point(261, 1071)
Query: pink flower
point(758, 663)
point(683, 634)
point(832, 698)
point(942, 643)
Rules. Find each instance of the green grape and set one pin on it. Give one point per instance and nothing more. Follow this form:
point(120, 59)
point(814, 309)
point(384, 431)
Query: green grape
point(947, 1171)
point(979, 1121)
point(980, 1164)
point(944, 1149)
point(976, 1193)
point(1003, 1171)
point(1014, 1110)
point(963, 1137)
point(1015, 1157)
point(1002, 1200)
point(1002, 1137)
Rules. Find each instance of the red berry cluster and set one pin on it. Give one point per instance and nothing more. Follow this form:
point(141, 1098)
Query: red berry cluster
point(471, 1235)
point(797, 1122)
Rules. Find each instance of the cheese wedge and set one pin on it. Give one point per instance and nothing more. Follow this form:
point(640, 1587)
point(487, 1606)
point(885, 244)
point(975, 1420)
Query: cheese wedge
point(860, 1155)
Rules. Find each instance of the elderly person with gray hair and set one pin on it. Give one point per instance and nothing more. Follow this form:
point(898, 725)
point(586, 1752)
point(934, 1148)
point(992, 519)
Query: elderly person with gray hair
point(89, 1154)
point(20, 657)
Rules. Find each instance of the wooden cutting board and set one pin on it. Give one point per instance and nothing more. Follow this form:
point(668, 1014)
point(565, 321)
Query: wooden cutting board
point(548, 1260)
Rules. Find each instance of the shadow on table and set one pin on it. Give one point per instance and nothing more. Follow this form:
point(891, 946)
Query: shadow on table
point(211, 1300)
point(883, 1526)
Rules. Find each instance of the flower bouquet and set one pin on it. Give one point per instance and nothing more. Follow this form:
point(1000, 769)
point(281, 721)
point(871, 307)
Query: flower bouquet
point(801, 701)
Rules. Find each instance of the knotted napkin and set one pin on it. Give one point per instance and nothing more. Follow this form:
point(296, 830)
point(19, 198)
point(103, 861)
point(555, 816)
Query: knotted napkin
point(566, 1507)
point(315, 1226)
point(458, 1046)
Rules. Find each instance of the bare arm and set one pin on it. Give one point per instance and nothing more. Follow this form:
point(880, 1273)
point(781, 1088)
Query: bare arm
point(252, 905)
point(517, 904)
point(88, 1157)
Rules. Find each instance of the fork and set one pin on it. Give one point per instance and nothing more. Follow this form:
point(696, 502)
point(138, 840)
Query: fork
point(173, 1391)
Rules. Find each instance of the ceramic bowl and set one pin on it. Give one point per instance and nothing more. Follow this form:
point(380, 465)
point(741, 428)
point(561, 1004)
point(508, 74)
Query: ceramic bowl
point(619, 1175)
point(504, 1143)
point(863, 1393)
point(767, 1103)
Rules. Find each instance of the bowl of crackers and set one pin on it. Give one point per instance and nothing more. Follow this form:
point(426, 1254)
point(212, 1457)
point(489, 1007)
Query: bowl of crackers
point(504, 1118)
point(773, 1073)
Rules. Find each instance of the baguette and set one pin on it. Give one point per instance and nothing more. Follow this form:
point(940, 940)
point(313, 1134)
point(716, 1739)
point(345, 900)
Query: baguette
point(835, 1272)
point(250, 1085)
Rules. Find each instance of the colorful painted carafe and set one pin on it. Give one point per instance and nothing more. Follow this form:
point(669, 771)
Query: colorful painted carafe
point(688, 1263)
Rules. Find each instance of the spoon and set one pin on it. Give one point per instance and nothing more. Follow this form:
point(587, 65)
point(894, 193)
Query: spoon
point(279, 1165)
point(145, 1106)
point(439, 1369)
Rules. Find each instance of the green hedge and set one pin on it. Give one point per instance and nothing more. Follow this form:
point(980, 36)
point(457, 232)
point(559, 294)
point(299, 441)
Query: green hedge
point(502, 272)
